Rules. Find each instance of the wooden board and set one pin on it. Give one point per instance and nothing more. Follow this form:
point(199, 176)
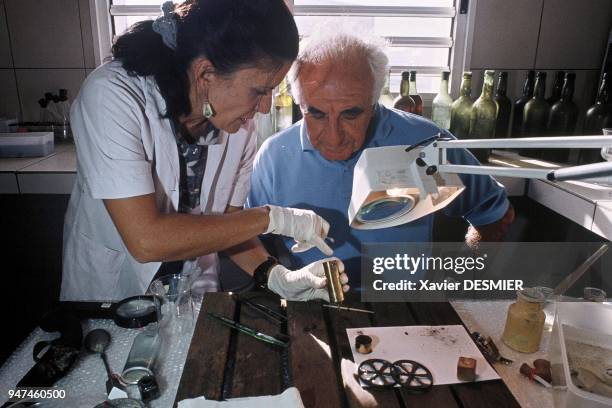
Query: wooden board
point(356, 396)
point(310, 357)
point(208, 352)
point(224, 364)
point(256, 365)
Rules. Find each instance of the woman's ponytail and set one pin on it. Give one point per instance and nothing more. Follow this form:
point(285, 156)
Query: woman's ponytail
point(142, 52)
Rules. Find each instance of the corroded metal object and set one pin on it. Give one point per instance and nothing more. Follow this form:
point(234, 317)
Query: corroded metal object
point(334, 286)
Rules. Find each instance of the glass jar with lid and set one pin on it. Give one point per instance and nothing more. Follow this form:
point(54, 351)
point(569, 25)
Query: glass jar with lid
point(525, 321)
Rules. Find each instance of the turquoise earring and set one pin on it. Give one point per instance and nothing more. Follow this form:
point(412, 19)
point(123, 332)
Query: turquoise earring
point(207, 110)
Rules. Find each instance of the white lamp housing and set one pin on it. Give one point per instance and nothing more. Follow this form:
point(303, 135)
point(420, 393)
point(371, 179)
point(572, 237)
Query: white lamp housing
point(390, 189)
point(393, 185)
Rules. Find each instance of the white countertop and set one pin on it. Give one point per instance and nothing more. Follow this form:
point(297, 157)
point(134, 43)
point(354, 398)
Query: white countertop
point(59, 162)
point(489, 318)
point(587, 204)
point(51, 174)
point(66, 150)
point(13, 165)
point(602, 221)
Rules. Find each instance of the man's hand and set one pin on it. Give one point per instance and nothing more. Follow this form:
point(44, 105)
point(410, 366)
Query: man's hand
point(493, 232)
point(304, 284)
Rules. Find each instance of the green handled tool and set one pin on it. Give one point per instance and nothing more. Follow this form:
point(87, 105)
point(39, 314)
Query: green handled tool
point(266, 338)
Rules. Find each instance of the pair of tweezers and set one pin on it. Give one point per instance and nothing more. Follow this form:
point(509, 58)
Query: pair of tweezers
point(272, 314)
point(249, 331)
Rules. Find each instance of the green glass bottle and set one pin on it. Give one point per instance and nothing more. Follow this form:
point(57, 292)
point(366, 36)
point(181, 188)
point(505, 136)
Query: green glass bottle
point(386, 99)
point(535, 115)
point(418, 101)
point(519, 104)
point(598, 117)
point(404, 102)
point(483, 116)
point(562, 120)
point(557, 89)
point(461, 109)
point(441, 106)
point(504, 107)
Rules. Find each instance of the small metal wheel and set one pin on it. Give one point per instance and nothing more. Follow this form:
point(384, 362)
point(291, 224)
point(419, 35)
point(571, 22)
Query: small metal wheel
point(377, 373)
point(412, 375)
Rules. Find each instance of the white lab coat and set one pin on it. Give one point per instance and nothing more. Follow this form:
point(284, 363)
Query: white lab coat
point(125, 149)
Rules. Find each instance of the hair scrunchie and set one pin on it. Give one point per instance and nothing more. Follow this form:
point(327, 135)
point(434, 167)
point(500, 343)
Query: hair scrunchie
point(165, 25)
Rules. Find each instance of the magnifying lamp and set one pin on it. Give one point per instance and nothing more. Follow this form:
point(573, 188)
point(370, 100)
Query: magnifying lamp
point(394, 185)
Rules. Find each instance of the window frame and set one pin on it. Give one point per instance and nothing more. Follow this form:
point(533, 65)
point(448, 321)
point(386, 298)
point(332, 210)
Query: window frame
point(102, 31)
point(459, 42)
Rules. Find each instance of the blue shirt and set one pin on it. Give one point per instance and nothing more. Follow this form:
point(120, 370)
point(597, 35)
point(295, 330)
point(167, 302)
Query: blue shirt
point(289, 172)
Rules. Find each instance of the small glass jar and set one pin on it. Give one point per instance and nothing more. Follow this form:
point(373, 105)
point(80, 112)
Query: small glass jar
point(525, 321)
point(144, 355)
point(548, 307)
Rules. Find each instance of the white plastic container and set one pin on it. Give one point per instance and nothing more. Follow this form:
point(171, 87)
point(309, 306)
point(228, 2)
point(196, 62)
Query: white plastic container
point(30, 144)
point(8, 124)
point(587, 323)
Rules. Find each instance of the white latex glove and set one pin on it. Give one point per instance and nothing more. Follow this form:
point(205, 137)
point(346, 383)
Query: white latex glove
point(304, 284)
point(305, 226)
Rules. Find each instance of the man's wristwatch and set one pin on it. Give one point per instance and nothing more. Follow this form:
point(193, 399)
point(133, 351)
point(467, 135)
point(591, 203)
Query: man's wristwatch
point(261, 272)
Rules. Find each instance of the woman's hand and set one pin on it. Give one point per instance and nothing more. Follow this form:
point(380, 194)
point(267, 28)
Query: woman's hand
point(307, 228)
point(304, 284)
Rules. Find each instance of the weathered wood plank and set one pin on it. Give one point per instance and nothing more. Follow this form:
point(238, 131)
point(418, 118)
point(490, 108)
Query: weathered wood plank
point(205, 364)
point(257, 365)
point(310, 358)
point(434, 313)
point(485, 394)
point(338, 321)
point(398, 314)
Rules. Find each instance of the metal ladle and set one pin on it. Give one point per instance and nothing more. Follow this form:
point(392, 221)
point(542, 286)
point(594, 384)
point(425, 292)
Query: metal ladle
point(97, 341)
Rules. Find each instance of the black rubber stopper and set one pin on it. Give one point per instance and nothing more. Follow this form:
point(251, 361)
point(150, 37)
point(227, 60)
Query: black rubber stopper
point(149, 390)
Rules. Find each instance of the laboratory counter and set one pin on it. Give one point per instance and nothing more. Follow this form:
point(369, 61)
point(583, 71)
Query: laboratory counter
point(220, 363)
point(51, 174)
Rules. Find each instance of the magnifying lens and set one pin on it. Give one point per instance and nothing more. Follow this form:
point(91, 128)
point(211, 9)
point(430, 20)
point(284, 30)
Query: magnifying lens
point(136, 311)
point(385, 208)
point(133, 312)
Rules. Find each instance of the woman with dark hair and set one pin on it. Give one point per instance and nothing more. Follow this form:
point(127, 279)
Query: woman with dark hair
point(165, 145)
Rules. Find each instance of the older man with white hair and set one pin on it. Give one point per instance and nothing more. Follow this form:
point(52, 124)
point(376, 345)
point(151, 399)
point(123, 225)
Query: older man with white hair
point(337, 80)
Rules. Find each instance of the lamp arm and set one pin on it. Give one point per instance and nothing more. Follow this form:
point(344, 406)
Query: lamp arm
point(552, 142)
point(437, 150)
point(494, 171)
point(581, 172)
point(567, 173)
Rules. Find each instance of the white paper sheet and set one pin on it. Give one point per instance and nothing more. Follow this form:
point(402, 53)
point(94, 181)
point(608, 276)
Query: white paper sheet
point(436, 347)
point(290, 398)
